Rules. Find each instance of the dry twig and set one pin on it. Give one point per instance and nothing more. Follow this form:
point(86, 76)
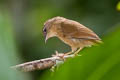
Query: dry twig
point(43, 63)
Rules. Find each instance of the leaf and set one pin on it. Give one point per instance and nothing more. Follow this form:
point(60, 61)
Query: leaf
point(118, 6)
point(8, 51)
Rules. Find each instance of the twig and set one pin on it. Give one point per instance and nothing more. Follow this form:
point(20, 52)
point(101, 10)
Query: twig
point(42, 63)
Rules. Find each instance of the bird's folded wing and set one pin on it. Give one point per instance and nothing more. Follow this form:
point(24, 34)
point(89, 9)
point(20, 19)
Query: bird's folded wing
point(73, 29)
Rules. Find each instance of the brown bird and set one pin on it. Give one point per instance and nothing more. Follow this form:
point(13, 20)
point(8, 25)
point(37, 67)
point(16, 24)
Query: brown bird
point(76, 35)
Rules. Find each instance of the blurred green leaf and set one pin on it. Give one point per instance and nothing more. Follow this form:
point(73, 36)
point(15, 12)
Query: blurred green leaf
point(8, 51)
point(97, 63)
point(118, 6)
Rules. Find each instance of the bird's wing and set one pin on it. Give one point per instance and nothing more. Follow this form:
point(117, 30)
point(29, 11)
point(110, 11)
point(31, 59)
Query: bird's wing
point(73, 29)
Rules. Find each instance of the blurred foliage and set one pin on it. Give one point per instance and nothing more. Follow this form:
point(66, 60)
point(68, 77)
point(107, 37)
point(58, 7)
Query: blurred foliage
point(8, 51)
point(118, 6)
point(96, 63)
point(21, 38)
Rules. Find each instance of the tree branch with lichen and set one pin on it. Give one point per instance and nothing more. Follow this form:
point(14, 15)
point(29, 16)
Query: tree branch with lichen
point(43, 63)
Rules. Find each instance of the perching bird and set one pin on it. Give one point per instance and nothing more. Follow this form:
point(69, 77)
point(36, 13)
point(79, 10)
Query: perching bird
point(76, 35)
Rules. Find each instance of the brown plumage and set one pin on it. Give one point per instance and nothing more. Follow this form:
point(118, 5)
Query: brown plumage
point(76, 35)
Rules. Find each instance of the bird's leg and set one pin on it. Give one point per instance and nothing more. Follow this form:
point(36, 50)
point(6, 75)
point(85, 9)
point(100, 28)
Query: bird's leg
point(68, 53)
point(76, 52)
point(73, 50)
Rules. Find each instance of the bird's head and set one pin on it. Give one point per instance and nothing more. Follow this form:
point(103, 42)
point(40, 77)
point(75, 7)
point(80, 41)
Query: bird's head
point(50, 27)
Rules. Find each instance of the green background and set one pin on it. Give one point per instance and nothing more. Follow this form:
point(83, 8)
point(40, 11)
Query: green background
point(21, 38)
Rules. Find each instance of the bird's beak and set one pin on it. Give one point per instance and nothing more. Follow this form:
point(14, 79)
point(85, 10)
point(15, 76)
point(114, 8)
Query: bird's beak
point(46, 38)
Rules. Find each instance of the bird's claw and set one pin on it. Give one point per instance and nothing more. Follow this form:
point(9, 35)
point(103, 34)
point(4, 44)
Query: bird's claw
point(77, 55)
point(60, 55)
point(56, 54)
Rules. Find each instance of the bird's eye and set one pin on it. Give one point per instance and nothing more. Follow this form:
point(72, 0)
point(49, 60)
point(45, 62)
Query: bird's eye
point(44, 30)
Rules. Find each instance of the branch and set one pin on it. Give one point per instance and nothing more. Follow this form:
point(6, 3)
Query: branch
point(43, 63)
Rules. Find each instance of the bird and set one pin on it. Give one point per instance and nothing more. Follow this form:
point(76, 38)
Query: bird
point(71, 32)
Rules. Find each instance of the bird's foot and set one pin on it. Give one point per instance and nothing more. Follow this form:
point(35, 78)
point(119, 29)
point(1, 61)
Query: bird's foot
point(56, 54)
point(61, 55)
point(76, 52)
point(77, 55)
